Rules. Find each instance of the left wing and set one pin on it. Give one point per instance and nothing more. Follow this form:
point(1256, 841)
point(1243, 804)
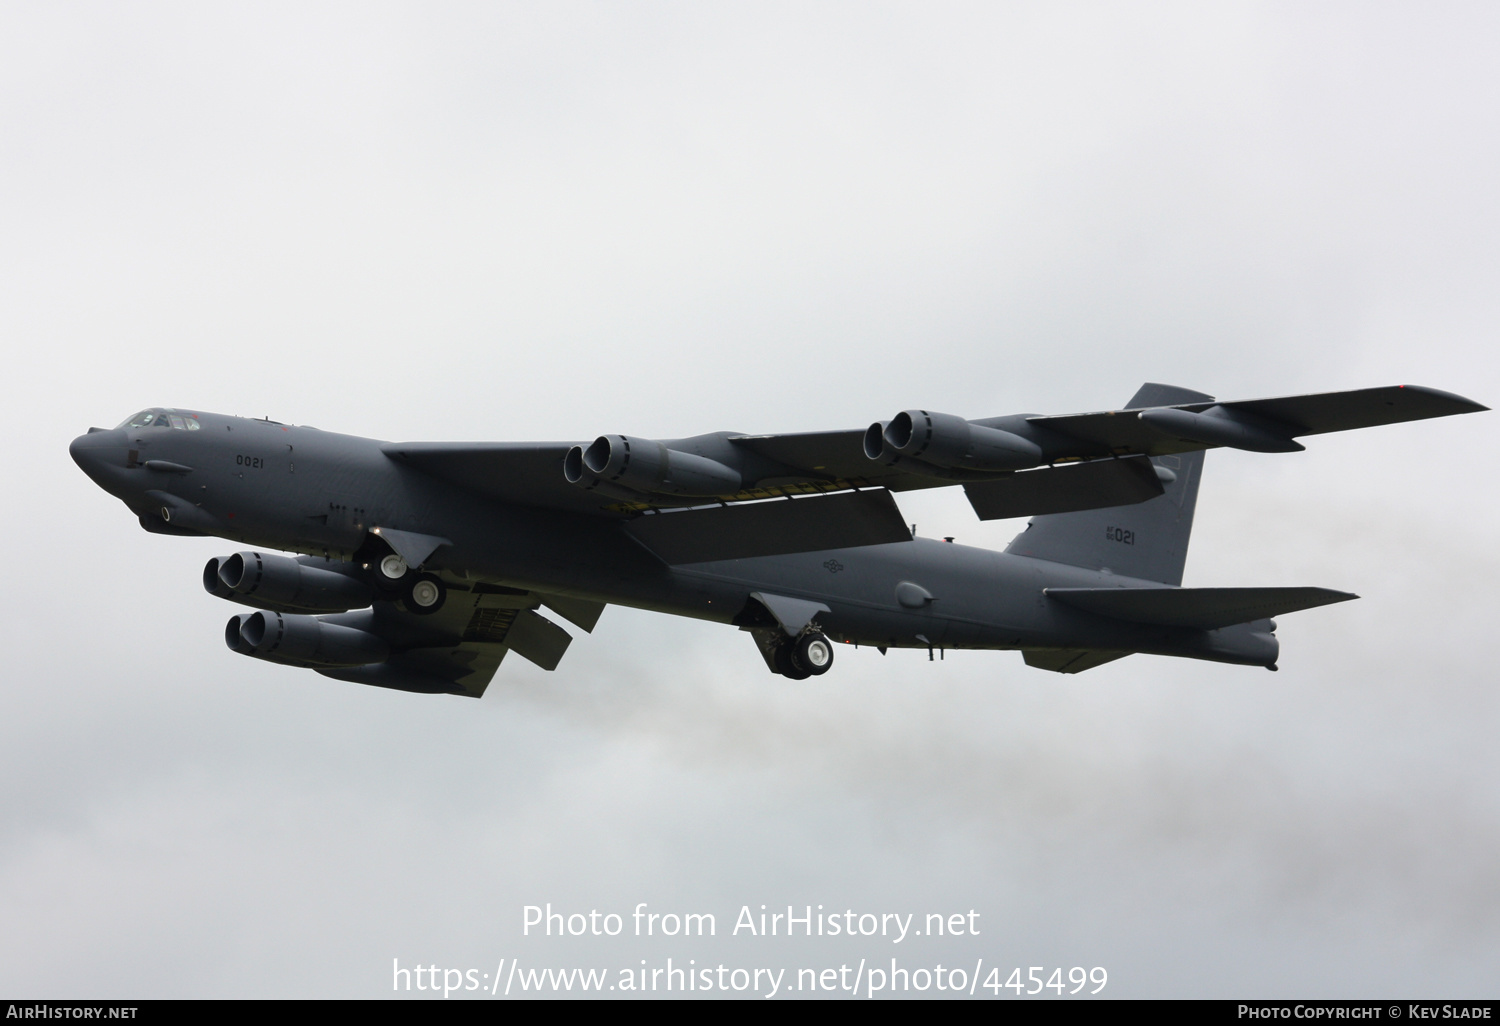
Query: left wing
point(1010, 464)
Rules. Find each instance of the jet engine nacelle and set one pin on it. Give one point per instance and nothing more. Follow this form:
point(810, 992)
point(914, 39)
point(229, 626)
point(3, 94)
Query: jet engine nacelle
point(300, 640)
point(638, 467)
point(947, 443)
point(279, 582)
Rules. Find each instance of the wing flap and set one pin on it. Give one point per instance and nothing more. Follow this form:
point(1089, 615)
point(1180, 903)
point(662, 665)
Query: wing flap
point(1066, 489)
point(1199, 608)
point(538, 639)
point(772, 528)
point(581, 613)
point(1069, 660)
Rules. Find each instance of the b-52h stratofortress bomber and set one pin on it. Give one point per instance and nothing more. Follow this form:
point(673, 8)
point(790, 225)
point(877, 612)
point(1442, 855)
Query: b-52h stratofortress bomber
point(421, 564)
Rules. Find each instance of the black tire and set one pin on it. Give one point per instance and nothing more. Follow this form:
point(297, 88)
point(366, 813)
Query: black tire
point(813, 653)
point(424, 594)
point(382, 577)
point(786, 665)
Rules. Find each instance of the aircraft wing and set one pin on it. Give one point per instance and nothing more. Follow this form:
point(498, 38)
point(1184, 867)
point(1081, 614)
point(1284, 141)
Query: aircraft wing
point(526, 473)
point(1278, 419)
point(531, 473)
point(792, 466)
point(1010, 465)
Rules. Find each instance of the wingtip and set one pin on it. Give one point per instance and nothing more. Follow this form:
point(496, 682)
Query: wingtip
point(1467, 405)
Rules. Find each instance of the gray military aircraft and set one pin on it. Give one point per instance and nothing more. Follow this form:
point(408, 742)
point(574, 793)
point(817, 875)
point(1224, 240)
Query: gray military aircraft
point(422, 563)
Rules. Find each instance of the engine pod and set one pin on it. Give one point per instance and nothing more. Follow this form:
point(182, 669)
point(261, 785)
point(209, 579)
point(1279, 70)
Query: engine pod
point(644, 467)
point(947, 442)
point(300, 640)
point(280, 582)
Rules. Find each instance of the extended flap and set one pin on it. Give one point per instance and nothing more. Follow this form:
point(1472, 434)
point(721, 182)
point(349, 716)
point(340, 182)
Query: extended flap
point(579, 612)
point(772, 528)
point(1065, 489)
point(537, 638)
point(1069, 660)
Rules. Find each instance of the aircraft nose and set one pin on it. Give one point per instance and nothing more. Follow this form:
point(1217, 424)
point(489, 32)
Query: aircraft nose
point(98, 450)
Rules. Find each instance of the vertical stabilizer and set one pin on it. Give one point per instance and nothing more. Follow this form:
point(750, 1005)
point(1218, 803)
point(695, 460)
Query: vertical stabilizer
point(1148, 540)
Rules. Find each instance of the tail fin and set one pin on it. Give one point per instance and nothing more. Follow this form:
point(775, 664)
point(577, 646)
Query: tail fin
point(1148, 540)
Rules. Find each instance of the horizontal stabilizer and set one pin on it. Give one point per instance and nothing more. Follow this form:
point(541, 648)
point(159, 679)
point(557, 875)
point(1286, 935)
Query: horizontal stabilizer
point(1066, 489)
point(772, 528)
point(1069, 660)
point(1200, 608)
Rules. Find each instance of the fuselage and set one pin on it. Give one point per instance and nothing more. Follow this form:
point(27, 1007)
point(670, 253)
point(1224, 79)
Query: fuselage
point(303, 490)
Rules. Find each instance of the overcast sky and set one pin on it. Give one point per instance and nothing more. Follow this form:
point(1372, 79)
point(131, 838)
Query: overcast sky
point(550, 220)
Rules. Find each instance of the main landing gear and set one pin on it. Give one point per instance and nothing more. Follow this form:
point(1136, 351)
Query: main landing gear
point(809, 655)
point(419, 593)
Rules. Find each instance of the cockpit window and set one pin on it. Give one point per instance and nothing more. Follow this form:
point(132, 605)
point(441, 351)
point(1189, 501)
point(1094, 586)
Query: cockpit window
point(163, 418)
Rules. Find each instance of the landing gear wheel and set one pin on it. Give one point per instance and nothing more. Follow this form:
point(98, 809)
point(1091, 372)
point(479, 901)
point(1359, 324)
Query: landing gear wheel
point(424, 594)
point(814, 653)
point(392, 567)
point(786, 666)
